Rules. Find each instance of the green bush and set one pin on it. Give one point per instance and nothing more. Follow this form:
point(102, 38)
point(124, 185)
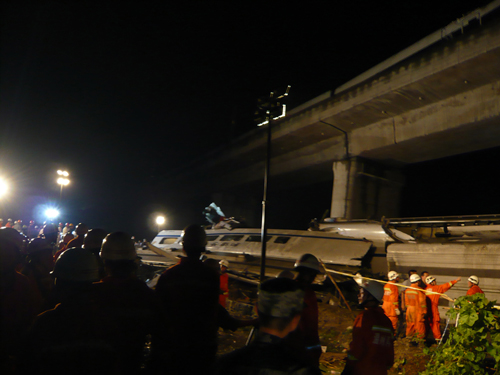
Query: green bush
point(475, 340)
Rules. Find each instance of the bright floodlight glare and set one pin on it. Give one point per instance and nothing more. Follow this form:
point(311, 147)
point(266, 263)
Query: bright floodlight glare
point(3, 187)
point(62, 173)
point(62, 181)
point(160, 220)
point(52, 213)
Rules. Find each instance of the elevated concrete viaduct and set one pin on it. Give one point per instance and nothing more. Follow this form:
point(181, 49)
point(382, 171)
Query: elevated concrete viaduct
point(440, 97)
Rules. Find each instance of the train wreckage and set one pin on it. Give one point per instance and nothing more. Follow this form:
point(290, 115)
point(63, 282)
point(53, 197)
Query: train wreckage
point(446, 247)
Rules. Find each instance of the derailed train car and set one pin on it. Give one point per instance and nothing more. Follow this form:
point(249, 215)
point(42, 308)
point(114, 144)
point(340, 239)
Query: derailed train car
point(446, 247)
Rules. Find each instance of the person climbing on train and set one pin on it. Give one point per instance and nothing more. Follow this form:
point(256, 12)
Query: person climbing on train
point(391, 299)
point(433, 312)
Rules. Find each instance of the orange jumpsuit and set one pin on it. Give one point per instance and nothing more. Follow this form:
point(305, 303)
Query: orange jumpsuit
point(473, 290)
point(434, 318)
point(224, 288)
point(372, 347)
point(391, 303)
point(415, 311)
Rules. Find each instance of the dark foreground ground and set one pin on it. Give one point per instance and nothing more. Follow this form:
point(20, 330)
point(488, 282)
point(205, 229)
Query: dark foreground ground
point(335, 324)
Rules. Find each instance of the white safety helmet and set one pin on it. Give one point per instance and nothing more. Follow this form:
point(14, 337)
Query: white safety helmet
point(429, 279)
point(308, 261)
point(414, 278)
point(118, 246)
point(77, 264)
point(392, 275)
point(224, 263)
point(374, 288)
point(474, 279)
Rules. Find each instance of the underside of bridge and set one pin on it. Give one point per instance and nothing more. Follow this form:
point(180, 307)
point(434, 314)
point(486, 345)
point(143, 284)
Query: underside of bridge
point(443, 100)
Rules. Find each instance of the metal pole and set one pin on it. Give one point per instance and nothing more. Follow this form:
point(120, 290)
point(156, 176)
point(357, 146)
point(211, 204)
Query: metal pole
point(264, 200)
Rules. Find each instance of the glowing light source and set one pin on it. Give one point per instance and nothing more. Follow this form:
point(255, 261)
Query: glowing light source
point(63, 181)
point(160, 220)
point(51, 213)
point(3, 187)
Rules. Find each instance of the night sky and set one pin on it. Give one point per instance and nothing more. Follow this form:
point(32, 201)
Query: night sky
point(121, 93)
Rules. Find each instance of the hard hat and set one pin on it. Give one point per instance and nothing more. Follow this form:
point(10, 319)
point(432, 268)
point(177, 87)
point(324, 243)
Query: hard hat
point(77, 264)
point(118, 246)
point(93, 239)
point(37, 245)
point(474, 279)
point(308, 261)
point(12, 235)
point(32, 222)
point(224, 263)
point(414, 278)
point(429, 279)
point(392, 275)
point(81, 229)
point(374, 288)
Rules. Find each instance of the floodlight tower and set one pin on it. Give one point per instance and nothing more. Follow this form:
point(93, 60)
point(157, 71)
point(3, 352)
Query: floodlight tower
point(63, 181)
point(269, 109)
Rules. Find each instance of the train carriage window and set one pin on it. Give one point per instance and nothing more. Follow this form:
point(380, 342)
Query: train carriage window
point(281, 239)
point(168, 241)
point(212, 238)
point(257, 238)
point(232, 237)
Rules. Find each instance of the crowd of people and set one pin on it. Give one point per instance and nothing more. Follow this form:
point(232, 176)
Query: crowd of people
point(72, 303)
point(413, 307)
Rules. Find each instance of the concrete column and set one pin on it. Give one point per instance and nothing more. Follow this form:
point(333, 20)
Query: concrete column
point(363, 189)
point(341, 188)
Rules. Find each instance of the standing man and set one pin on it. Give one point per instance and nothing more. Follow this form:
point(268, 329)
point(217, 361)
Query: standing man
point(189, 293)
point(306, 335)
point(391, 299)
point(279, 306)
point(416, 309)
point(224, 282)
point(434, 318)
point(473, 286)
point(372, 347)
point(424, 276)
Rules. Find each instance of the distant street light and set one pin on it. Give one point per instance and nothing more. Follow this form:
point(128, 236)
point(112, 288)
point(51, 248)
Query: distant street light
point(160, 220)
point(62, 181)
point(3, 187)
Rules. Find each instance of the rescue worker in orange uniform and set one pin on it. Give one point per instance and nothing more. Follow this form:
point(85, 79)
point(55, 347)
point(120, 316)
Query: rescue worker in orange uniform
point(372, 347)
point(416, 308)
point(224, 282)
point(391, 299)
point(434, 318)
point(473, 286)
point(306, 335)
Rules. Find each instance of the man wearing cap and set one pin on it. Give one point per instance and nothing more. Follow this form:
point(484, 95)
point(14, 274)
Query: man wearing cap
point(189, 294)
point(372, 348)
point(306, 335)
point(433, 317)
point(474, 288)
point(416, 308)
point(391, 299)
point(279, 306)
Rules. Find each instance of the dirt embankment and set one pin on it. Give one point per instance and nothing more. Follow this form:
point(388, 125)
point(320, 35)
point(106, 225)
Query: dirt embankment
point(335, 325)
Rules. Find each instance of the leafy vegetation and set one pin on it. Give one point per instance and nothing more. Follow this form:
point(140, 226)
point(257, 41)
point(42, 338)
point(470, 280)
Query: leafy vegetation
point(473, 346)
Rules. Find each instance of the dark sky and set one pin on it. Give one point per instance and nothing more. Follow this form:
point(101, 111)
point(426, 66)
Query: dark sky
point(121, 93)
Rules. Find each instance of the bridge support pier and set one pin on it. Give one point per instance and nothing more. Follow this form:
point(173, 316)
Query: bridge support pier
point(363, 189)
